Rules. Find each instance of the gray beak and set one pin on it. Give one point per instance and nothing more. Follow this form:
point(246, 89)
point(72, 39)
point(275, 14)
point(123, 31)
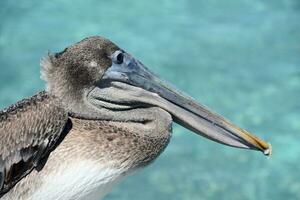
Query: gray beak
point(184, 110)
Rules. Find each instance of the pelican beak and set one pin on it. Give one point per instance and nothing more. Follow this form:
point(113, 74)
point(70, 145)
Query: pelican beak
point(184, 110)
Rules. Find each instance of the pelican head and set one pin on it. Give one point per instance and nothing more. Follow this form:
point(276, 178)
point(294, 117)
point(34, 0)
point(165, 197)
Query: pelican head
point(96, 79)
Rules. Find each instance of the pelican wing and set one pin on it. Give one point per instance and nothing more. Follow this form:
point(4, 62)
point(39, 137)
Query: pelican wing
point(29, 131)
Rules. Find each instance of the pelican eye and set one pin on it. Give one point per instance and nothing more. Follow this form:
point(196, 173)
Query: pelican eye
point(119, 58)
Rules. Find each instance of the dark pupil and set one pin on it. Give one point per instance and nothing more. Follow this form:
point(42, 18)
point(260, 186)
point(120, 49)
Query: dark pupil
point(120, 58)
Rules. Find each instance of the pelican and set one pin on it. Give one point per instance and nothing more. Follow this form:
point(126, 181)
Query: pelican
point(102, 116)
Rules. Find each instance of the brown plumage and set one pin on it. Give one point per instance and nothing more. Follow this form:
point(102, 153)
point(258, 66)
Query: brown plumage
point(29, 130)
point(109, 143)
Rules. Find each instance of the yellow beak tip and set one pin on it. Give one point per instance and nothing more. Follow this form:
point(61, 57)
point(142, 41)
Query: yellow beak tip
point(268, 151)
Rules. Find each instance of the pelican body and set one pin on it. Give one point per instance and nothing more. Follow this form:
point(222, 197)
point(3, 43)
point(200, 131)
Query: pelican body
point(102, 116)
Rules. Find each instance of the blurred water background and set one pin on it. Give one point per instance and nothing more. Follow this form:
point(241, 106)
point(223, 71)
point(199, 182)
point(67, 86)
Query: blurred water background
point(239, 57)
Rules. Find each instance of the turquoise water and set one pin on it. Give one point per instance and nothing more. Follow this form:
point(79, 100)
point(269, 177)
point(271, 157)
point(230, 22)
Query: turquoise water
point(239, 57)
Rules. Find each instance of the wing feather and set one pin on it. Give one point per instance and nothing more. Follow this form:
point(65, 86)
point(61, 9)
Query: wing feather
point(29, 131)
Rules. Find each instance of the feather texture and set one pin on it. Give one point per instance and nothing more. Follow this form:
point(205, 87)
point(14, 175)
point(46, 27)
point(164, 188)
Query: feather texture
point(29, 130)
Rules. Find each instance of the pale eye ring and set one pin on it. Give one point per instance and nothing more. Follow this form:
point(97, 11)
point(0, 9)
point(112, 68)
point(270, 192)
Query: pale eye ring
point(118, 57)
